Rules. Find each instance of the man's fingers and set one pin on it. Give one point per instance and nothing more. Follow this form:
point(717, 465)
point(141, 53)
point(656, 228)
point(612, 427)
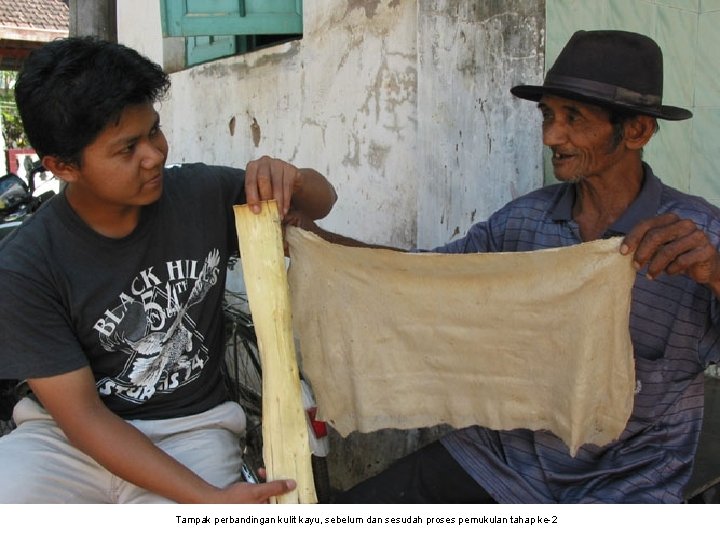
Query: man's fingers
point(291, 174)
point(674, 246)
point(639, 232)
point(252, 195)
point(265, 178)
point(663, 244)
point(277, 169)
point(696, 261)
point(263, 492)
point(678, 255)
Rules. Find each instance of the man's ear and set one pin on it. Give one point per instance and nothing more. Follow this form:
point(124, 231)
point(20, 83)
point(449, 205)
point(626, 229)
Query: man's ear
point(638, 131)
point(61, 169)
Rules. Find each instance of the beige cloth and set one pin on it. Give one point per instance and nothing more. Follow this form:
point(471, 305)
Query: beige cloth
point(536, 340)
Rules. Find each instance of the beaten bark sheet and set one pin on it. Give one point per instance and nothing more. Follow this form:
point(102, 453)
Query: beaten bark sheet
point(536, 340)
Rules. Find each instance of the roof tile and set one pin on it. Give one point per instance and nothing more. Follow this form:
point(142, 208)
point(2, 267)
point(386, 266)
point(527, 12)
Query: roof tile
point(36, 14)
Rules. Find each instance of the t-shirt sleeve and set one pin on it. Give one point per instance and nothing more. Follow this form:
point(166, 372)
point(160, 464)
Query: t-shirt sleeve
point(35, 330)
point(213, 186)
point(232, 181)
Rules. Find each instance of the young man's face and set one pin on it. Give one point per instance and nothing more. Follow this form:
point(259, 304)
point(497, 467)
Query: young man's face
point(123, 166)
point(580, 136)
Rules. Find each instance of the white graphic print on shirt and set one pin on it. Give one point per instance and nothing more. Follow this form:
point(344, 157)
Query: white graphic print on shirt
point(152, 327)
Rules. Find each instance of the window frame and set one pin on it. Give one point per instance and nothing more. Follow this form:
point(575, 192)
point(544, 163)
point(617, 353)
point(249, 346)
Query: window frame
point(234, 29)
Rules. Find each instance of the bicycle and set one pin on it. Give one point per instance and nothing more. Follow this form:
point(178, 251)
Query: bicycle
point(244, 374)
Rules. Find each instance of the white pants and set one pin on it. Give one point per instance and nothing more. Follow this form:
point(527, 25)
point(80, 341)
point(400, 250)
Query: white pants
point(39, 465)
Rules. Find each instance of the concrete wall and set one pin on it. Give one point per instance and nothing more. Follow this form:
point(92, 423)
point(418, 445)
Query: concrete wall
point(404, 105)
point(478, 147)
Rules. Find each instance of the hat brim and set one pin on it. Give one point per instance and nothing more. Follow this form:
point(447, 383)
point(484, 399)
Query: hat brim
point(535, 93)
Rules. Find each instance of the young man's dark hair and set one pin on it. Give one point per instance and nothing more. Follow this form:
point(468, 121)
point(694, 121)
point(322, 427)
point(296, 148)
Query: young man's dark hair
point(71, 89)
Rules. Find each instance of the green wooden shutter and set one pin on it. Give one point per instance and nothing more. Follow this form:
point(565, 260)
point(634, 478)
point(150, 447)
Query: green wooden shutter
point(231, 17)
point(204, 48)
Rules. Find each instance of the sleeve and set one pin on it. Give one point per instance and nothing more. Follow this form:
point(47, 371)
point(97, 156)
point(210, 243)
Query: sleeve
point(483, 237)
point(214, 186)
point(203, 180)
point(707, 217)
point(35, 331)
point(709, 347)
point(233, 183)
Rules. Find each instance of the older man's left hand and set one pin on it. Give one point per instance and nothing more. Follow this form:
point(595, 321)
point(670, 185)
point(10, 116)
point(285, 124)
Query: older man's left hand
point(674, 246)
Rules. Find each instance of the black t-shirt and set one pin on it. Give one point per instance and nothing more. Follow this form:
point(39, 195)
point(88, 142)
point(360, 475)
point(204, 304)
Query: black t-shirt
point(143, 311)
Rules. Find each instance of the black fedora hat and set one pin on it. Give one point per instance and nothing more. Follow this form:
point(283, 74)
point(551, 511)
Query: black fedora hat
point(611, 68)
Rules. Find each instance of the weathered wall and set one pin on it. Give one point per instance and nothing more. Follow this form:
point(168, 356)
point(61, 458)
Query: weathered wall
point(403, 104)
point(478, 147)
point(341, 100)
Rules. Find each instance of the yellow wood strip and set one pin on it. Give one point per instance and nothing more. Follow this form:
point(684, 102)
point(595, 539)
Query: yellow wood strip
point(286, 447)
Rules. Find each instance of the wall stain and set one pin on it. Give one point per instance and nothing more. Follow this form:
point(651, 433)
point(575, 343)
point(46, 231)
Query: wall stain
point(390, 89)
point(231, 126)
point(255, 130)
point(241, 65)
point(352, 157)
point(370, 7)
point(377, 154)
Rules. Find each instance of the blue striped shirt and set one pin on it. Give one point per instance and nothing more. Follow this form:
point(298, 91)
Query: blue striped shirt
point(675, 332)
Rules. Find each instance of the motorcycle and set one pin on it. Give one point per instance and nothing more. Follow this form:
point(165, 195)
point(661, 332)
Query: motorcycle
point(20, 199)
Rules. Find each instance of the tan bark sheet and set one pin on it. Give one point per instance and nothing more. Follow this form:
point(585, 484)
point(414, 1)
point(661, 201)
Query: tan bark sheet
point(536, 340)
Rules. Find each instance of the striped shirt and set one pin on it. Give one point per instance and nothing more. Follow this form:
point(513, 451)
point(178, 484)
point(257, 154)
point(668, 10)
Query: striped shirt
point(675, 332)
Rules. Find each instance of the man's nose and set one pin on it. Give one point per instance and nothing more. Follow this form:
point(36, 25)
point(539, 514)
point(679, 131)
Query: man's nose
point(554, 133)
point(153, 155)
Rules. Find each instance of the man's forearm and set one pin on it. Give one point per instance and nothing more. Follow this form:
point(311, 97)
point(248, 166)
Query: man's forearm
point(72, 400)
point(316, 197)
point(334, 238)
point(128, 453)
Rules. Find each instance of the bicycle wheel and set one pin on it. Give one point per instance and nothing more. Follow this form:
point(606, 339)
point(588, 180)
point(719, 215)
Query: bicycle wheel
point(243, 375)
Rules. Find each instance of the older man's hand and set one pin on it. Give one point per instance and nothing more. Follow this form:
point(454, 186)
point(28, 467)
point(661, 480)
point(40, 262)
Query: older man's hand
point(674, 246)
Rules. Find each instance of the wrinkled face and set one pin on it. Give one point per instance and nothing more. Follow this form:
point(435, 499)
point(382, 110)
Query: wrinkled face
point(123, 166)
point(580, 136)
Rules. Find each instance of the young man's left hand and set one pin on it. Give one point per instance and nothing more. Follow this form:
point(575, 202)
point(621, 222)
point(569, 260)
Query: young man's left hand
point(270, 178)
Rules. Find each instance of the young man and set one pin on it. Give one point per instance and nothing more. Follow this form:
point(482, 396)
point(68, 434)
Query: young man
point(111, 299)
point(599, 104)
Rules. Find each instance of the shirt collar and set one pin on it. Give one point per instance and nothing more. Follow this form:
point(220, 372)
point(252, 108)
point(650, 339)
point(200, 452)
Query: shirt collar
point(645, 205)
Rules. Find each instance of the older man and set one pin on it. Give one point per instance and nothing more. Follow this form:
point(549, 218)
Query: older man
point(600, 103)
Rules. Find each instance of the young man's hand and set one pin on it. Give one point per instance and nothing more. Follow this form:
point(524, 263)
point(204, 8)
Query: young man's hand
point(243, 492)
point(73, 401)
point(305, 189)
point(270, 178)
